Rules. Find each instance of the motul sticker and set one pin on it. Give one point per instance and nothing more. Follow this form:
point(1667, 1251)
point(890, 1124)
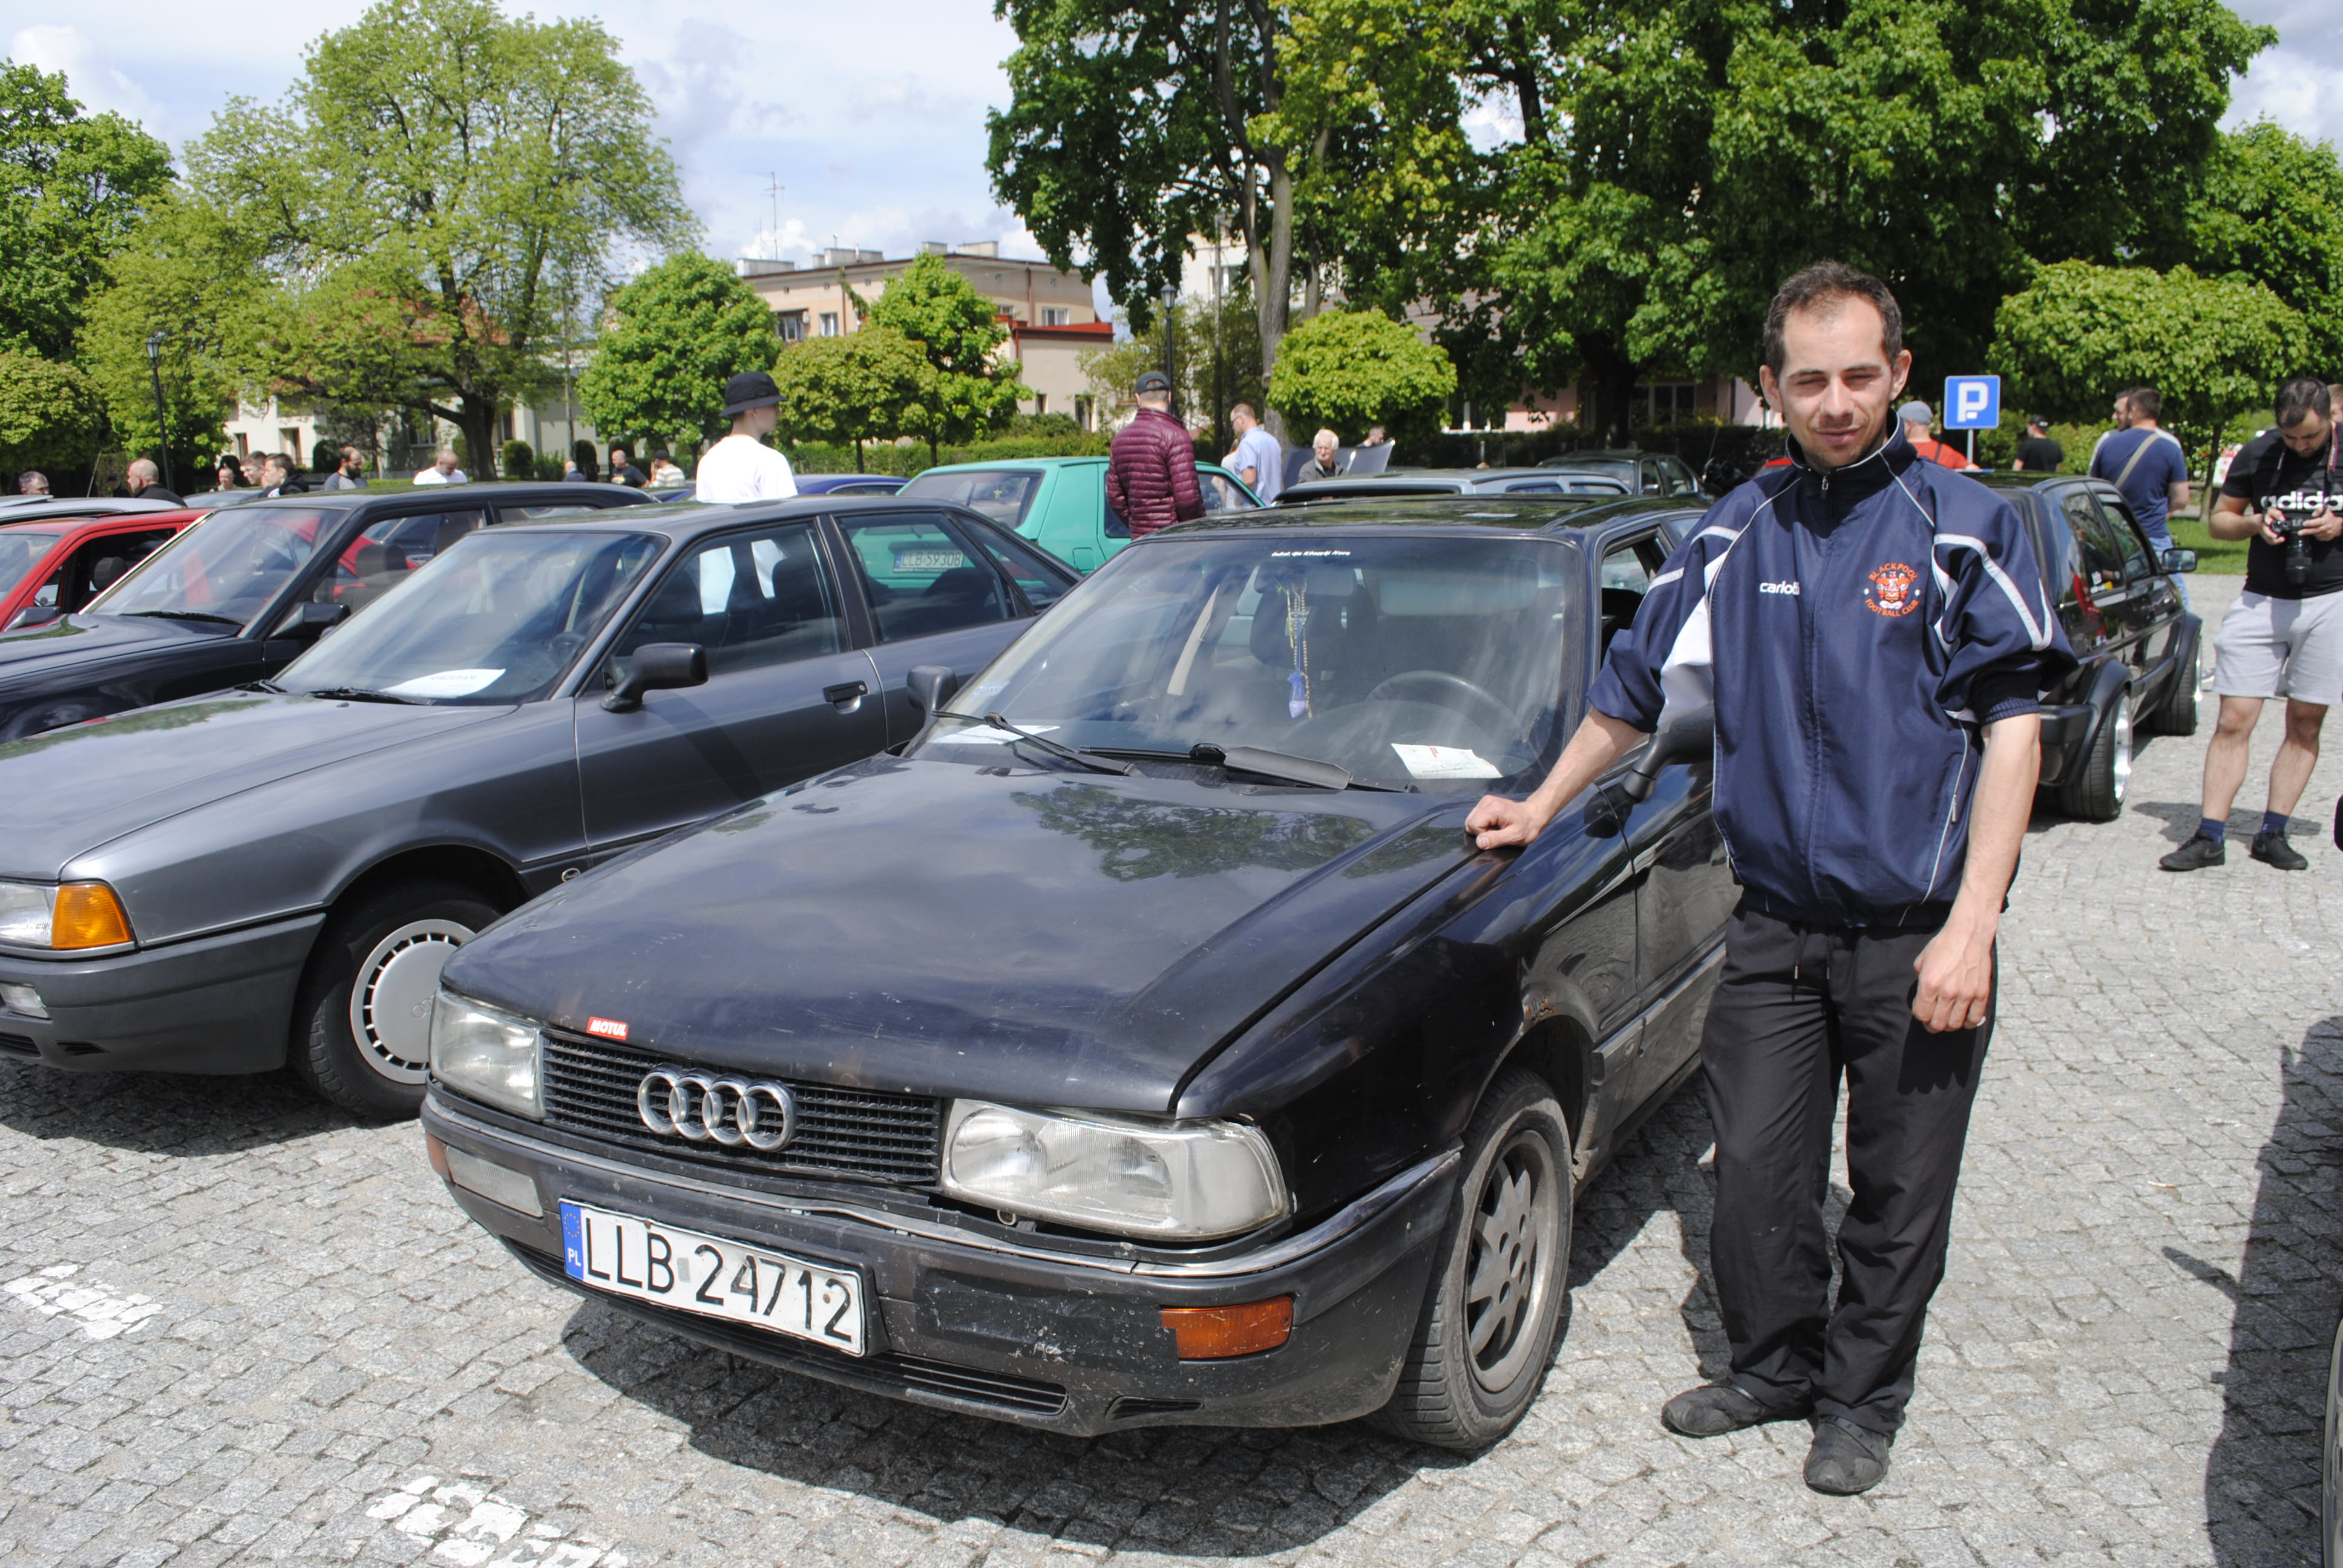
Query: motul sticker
point(608, 1028)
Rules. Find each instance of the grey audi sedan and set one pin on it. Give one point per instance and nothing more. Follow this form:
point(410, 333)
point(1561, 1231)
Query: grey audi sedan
point(277, 872)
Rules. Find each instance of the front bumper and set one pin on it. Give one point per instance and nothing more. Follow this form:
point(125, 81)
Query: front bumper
point(215, 1004)
point(1016, 1332)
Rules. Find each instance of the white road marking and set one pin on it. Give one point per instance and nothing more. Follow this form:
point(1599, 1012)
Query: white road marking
point(101, 1312)
point(468, 1525)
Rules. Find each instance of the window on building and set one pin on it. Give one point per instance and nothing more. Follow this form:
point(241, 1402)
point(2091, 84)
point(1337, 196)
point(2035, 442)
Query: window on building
point(288, 441)
point(1057, 316)
point(829, 324)
point(1041, 402)
point(790, 324)
point(1083, 412)
point(1661, 403)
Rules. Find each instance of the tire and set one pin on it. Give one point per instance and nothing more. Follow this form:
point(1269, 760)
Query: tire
point(2176, 714)
point(2098, 794)
point(1505, 1234)
point(358, 1036)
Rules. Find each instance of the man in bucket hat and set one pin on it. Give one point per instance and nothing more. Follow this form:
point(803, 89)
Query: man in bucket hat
point(741, 467)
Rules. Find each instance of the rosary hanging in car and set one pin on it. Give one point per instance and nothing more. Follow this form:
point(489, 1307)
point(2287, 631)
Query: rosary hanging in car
point(1297, 636)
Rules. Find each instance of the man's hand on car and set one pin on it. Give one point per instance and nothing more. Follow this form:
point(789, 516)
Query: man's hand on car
point(1497, 823)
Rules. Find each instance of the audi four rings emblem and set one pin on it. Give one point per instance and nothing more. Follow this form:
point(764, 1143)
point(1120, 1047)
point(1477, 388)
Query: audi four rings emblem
point(727, 1111)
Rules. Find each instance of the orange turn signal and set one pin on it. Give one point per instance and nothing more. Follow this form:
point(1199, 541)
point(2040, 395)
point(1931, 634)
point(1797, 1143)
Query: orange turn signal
point(87, 915)
point(436, 1152)
point(1216, 1334)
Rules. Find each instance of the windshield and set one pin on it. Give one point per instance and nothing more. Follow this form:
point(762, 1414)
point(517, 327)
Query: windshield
point(1004, 495)
point(226, 567)
point(19, 552)
point(1431, 661)
point(494, 617)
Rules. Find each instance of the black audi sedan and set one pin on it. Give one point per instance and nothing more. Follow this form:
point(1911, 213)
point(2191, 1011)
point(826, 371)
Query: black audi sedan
point(238, 596)
point(1146, 1042)
point(2129, 626)
point(276, 873)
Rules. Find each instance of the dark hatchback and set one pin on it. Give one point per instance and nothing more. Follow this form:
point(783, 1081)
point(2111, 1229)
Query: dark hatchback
point(238, 596)
point(1147, 1043)
point(224, 883)
point(2129, 626)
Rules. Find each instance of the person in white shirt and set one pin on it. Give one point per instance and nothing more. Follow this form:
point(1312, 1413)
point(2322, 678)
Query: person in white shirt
point(665, 472)
point(1259, 459)
point(443, 470)
point(741, 467)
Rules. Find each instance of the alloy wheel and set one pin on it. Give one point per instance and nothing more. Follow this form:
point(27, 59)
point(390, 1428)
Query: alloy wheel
point(1511, 1268)
point(2122, 769)
point(390, 999)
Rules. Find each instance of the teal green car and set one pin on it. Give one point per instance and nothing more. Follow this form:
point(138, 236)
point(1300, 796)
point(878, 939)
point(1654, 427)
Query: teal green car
point(1059, 503)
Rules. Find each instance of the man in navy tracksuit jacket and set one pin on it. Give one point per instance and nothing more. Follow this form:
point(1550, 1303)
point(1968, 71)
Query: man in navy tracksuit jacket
point(1872, 633)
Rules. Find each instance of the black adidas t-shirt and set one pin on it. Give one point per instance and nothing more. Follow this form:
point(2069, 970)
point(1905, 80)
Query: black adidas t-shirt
point(2268, 473)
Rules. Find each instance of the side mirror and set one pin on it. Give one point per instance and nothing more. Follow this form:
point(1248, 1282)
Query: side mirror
point(2179, 561)
point(658, 667)
point(33, 615)
point(308, 621)
point(932, 685)
point(1689, 737)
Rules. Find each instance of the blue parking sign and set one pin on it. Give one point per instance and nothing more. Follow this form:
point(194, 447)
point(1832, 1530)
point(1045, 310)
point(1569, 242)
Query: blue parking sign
point(1972, 402)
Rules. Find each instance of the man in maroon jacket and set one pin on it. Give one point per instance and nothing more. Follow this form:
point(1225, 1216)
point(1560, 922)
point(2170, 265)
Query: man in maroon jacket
point(1150, 474)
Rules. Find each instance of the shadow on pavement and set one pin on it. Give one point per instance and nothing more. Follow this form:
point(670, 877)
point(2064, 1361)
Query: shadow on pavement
point(1191, 1491)
point(2261, 1480)
point(161, 1113)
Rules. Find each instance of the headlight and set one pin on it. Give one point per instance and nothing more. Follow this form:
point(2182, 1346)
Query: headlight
point(1180, 1182)
point(75, 916)
point(485, 1054)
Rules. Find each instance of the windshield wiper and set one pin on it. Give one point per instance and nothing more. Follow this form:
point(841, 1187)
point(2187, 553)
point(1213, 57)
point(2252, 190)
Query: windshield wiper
point(360, 694)
point(267, 686)
point(184, 614)
point(1253, 760)
point(1066, 752)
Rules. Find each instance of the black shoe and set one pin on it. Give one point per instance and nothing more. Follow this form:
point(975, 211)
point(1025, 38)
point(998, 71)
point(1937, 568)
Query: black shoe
point(1714, 1409)
point(2272, 850)
point(1845, 1459)
point(2198, 854)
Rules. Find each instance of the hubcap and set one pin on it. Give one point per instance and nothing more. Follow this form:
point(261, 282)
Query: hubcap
point(1510, 1269)
point(2123, 752)
point(390, 1002)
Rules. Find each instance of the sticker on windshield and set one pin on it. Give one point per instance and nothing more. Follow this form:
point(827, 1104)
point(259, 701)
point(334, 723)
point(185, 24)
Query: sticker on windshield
point(447, 683)
point(1308, 555)
point(1445, 762)
point(986, 735)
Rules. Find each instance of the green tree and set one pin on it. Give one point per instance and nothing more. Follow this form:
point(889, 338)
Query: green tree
point(2214, 348)
point(51, 418)
point(1215, 361)
point(442, 185)
point(861, 387)
point(2271, 209)
point(969, 390)
point(1348, 369)
point(672, 338)
point(72, 186)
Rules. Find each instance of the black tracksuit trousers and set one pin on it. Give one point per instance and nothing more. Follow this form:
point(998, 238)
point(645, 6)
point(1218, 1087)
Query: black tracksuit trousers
point(1797, 1007)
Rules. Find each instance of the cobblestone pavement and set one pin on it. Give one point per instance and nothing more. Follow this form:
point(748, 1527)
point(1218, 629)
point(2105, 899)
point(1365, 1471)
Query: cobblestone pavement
point(236, 1327)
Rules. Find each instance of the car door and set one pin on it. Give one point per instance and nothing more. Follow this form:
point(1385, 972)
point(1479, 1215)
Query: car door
point(2114, 599)
point(933, 597)
point(787, 696)
point(96, 562)
point(2154, 604)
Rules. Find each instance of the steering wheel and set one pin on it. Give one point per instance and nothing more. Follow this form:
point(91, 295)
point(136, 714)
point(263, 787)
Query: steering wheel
point(1452, 690)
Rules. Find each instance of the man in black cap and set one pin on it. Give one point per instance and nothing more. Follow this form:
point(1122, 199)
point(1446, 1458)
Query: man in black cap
point(1150, 469)
point(741, 467)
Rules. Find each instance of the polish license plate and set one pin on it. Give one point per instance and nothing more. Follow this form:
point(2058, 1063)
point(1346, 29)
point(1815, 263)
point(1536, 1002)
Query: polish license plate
point(929, 560)
point(711, 1276)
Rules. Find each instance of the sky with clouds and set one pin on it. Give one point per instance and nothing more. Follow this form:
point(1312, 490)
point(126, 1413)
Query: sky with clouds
point(871, 117)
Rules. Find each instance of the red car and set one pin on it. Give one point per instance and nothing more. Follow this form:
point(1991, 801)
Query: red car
point(58, 555)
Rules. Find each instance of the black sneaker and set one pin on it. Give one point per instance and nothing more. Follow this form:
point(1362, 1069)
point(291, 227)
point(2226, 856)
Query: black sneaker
point(1714, 1409)
point(1845, 1459)
point(2198, 854)
point(2272, 850)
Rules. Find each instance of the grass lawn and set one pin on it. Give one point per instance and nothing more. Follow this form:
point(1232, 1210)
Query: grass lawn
point(2212, 555)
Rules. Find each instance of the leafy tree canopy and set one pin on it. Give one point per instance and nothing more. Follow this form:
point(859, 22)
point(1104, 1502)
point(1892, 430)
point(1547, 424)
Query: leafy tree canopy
point(1347, 369)
point(443, 189)
point(968, 389)
point(860, 387)
point(51, 418)
point(2272, 210)
point(72, 186)
point(673, 336)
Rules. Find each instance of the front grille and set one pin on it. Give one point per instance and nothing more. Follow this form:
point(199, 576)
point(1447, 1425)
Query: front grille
point(17, 1045)
point(886, 1370)
point(861, 1133)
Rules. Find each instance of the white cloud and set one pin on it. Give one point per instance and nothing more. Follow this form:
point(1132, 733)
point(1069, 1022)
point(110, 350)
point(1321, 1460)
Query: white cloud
point(92, 75)
point(2298, 82)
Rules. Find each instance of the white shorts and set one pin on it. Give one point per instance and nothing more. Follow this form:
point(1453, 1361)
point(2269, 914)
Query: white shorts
point(2281, 648)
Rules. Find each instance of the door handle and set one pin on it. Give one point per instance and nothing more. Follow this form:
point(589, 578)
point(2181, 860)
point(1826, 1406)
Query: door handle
point(846, 694)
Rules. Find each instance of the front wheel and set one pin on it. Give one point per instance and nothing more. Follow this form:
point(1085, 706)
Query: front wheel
point(361, 1027)
point(2098, 795)
point(1494, 1307)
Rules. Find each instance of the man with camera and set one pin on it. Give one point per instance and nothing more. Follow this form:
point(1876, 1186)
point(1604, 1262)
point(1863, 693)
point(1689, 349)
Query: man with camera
point(2284, 637)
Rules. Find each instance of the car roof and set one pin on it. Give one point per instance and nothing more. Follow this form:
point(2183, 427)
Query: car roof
point(2024, 481)
point(58, 508)
point(1017, 463)
point(687, 520)
point(1455, 515)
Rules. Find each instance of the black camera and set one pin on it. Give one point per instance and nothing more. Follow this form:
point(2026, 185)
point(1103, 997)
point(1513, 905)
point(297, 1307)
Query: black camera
point(2298, 548)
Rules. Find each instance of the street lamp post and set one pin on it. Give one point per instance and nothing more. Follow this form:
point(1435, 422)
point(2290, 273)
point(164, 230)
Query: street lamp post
point(162, 423)
point(1170, 300)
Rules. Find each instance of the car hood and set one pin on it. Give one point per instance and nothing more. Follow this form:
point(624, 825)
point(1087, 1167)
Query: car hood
point(73, 790)
point(81, 637)
point(934, 928)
